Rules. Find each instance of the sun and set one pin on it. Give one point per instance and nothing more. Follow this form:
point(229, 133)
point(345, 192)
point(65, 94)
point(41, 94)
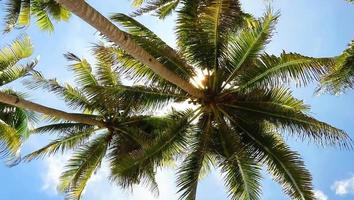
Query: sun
point(199, 79)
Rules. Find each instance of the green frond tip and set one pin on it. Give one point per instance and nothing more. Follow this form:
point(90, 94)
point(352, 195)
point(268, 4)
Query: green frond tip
point(62, 144)
point(270, 71)
point(341, 76)
point(10, 141)
point(19, 49)
point(137, 3)
point(160, 8)
point(82, 70)
point(248, 45)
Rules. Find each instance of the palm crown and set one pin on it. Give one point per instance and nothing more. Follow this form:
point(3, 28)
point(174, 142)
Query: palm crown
point(126, 129)
point(245, 108)
point(14, 122)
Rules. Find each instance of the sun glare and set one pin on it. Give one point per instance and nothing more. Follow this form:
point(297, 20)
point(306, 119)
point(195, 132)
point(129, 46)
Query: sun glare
point(199, 79)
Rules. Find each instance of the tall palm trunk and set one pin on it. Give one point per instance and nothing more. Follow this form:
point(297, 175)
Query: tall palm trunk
point(107, 28)
point(21, 103)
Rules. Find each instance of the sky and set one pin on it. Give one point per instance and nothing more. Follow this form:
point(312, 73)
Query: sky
point(311, 27)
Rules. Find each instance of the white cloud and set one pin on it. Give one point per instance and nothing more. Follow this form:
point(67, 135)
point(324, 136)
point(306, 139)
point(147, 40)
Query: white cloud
point(319, 195)
point(344, 187)
point(99, 188)
point(53, 167)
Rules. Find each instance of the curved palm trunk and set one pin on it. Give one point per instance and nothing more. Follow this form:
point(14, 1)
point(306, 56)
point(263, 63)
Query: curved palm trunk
point(107, 28)
point(21, 103)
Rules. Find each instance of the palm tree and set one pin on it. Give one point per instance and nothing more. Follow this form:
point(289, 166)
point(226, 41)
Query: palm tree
point(243, 106)
point(19, 12)
point(14, 122)
point(126, 130)
point(246, 107)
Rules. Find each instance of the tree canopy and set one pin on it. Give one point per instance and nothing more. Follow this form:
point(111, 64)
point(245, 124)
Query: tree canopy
point(238, 116)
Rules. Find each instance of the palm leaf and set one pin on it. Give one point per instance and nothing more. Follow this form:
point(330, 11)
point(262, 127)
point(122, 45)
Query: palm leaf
point(241, 176)
point(12, 8)
point(155, 46)
point(62, 145)
point(241, 173)
point(285, 165)
point(248, 45)
point(106, 72)
point(190, 171)
point(17, 50)
point(63, 128)
point(19, 13)
point(341, 77)
point(161, 8)
point(75, 97)
point(82, 70)
point(285, 113)
point(164, 147)
point(13, 73)
point(10, 140)
point(82, 165)
point(271, 71)
point(144, 97)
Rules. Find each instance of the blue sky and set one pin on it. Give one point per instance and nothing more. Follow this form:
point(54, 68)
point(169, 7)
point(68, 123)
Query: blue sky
point(315, 28)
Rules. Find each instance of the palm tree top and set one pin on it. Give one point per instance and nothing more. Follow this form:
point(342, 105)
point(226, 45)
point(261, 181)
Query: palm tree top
point(246, 107)
point(128, 127)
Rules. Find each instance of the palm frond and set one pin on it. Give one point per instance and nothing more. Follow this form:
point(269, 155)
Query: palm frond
point(241, 172)
point(164, 147)
point(285, 113)
point(62, 145)
point(271, 71)
point(241, 176)
point(25, 13)
point(82, 165)
point(286, 166)
point(192, 39)
point(190, 171)
point(155, 46)
point(18, 118)
point(137, 3)
point(247, 45)
point(10, 140)
point(145, 97)
point(106, 70)
point(17, 50)
point(75, 97)
point(18, 13)
point(63, 128)
point(82, 70)
point(12, 10)
point(15, 72)
point(341, 77)
point(161, 8)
